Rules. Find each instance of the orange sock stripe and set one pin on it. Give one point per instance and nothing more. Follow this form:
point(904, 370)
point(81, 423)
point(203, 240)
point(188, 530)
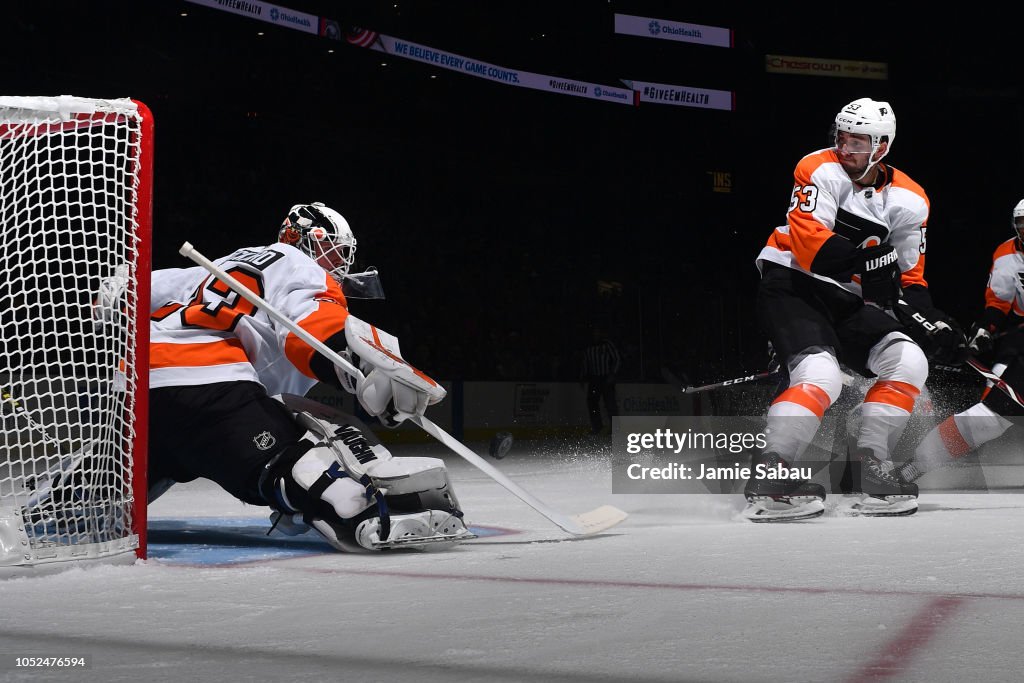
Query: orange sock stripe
point(899, 394)
point(807, 395)
point(953, 440)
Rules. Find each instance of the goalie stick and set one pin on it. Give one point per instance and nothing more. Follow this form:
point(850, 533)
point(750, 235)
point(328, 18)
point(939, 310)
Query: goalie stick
point(20, 411)
point(40, 485)
point(582, 524)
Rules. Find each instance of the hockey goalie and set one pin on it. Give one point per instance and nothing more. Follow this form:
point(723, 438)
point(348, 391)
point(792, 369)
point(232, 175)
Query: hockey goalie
point(219, 365)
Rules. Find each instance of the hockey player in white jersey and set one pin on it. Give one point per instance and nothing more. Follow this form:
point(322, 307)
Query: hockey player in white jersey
point(997, 335)
point(217, 361)
point(832, 279)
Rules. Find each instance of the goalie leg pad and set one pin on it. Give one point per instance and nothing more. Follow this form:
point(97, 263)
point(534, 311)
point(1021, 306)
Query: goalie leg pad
point(423, 506)
point(415, 484)
point(359, 497)
point(308, 479)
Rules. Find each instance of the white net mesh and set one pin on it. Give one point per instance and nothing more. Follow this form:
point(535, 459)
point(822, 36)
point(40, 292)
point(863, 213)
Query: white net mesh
point(69, 180)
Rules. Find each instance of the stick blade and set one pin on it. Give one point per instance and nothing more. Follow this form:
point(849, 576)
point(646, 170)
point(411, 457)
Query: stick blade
point(598, 520)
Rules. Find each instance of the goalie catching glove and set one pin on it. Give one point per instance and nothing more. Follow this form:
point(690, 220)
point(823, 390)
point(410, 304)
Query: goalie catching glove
point(392, 390)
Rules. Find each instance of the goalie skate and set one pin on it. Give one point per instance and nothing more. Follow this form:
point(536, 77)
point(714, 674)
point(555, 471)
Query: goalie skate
point(430, 527)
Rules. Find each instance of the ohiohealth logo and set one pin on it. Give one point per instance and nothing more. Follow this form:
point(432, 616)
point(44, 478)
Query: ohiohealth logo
point(274, 14)
point(654, 27)
point(598, 92)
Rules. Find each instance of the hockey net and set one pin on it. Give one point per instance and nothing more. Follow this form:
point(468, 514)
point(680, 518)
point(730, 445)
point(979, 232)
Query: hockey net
point(75, 208)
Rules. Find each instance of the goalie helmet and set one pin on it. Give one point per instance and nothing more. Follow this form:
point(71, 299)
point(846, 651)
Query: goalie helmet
point(1018, 223)
point(323, 234)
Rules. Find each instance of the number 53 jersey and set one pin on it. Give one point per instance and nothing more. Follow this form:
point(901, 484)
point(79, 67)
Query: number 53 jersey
point(830, 216)
point(202, 332)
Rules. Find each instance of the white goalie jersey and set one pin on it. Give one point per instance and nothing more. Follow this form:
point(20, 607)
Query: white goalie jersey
point(202, 332)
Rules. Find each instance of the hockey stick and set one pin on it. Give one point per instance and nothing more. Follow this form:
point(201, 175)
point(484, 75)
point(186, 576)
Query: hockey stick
point(51, 476)
point(582, 524)
point(731, 382)
point(846, 378)
point(20, 411)
point(997, 381)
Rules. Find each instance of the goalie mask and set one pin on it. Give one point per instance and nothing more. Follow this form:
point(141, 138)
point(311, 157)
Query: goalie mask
point(866, 117)
point(1018, 223)
point(323, 234)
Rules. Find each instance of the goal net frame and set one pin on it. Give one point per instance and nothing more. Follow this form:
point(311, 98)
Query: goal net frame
point(76, 204)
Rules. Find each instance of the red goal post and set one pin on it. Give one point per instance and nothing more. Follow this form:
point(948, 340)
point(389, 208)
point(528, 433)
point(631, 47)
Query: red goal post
point(76, 178)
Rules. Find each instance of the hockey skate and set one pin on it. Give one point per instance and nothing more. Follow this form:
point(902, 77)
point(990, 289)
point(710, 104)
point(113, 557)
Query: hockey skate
point(875, 488)
point(777, 499)
point(417, 529)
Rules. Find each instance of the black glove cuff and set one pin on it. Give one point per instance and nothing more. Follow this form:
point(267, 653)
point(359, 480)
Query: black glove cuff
point(992, 319)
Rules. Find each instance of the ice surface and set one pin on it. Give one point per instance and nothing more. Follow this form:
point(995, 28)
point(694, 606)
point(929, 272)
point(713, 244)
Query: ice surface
point(683, 590)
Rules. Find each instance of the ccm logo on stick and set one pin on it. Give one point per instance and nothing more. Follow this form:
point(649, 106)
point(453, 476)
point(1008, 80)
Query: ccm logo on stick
point(738, 380)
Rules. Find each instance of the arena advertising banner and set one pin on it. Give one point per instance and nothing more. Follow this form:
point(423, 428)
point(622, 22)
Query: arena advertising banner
point(633, 95)
point(264, 11)
point(814, 66)
point(500, 74)
point(682, 96)
point(664, 29)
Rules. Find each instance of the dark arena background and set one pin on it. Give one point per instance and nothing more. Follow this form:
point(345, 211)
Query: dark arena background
point(506, 221)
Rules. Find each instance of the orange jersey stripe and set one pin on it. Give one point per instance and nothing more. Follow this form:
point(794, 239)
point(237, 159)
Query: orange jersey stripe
point(993, 300)
point(899, 394)
point(915, 275)
point(951, 437)
point(806, 237)
point(807, 395)
point(323, 323)
point(223, 352)
point(806, 234)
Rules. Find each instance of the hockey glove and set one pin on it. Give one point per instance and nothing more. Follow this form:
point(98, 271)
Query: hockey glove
point(389, 400)
point(939, 336)
point(880, 276)
point(981, 340)
point(949, 343)
point(347, 381)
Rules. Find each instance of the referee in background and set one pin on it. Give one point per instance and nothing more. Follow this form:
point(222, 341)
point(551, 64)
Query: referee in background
point(601, 362)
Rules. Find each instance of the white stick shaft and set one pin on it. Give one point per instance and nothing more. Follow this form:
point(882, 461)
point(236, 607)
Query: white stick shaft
point(448, 440)
point(189, 251)
point(487, 468)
